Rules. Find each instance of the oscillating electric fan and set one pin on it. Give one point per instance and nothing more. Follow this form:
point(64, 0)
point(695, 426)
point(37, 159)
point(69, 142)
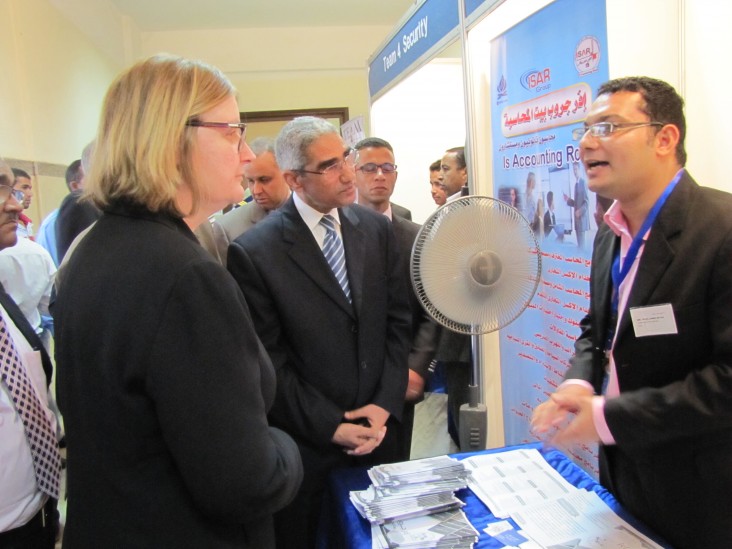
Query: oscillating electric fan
point(475, 267)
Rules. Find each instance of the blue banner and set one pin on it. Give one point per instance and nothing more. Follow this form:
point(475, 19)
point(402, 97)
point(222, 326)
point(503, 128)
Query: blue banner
point(432, 22)
point(544, 72)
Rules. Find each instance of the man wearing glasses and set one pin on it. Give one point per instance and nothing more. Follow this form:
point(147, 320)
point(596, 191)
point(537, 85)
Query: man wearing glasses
point(328, 300)
point(651, 378)
point(376, 175)
point(29, 474)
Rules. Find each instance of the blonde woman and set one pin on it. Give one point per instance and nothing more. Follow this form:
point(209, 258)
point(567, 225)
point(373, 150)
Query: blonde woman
point(163, 384)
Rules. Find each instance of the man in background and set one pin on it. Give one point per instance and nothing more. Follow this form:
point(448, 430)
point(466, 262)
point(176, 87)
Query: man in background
point(29, 453)
point(323, 282)
point(26, 273)
point(75, 215)
point(454, 350)
point(47, 231)
point(651, 376)
point(376, 175)
point(24, 184)
point(454, 172)
point(436, 189)
point(267, 186)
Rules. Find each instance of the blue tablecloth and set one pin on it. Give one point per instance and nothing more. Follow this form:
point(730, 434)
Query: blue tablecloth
point(343, 528)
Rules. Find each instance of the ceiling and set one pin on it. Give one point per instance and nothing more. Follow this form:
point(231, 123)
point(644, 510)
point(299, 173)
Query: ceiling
point(168, 15)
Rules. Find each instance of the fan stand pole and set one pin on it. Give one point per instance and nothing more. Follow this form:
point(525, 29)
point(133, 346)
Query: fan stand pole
point(474, 415)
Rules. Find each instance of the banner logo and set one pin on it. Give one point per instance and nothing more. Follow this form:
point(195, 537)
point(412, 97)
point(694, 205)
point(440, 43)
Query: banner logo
point(534, 80)
point(587, 55)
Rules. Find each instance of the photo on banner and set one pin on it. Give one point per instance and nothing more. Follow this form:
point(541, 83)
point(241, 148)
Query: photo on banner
point(544, 73)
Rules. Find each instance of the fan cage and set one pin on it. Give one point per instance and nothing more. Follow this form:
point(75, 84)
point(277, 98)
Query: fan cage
point(445, 244)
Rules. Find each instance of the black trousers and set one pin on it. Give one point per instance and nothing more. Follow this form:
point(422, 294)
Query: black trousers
point(38, 533)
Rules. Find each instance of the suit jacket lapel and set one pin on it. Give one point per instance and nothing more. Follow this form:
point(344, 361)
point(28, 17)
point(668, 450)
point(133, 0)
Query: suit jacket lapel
point(602, 260)
point(658, 252)
point(355, 248)
point(258, 213)
point(306, 254)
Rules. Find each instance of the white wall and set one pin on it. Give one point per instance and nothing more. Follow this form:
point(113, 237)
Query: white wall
point(53, 83)
point(283, 68)
point(707, 81)
point(421, 117)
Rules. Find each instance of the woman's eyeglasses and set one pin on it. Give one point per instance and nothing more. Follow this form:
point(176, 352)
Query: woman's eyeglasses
point(241, 126)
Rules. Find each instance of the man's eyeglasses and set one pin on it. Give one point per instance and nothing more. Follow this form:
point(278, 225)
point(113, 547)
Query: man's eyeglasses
point(606, 129)
point(241, 126)
point(6, 191)
point(336, 168)
point(371, 167)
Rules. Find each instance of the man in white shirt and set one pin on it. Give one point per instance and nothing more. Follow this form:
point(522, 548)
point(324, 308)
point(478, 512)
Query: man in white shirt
point(27, 272)
point(29, 471)
point(24, 184)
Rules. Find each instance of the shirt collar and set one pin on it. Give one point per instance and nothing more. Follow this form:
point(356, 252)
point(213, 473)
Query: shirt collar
point(615, 219)
point(310, 215)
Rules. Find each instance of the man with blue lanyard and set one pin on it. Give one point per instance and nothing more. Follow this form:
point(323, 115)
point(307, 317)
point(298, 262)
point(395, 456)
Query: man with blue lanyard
point(651, 378)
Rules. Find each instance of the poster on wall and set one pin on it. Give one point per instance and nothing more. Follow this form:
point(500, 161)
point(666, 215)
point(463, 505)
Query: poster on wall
point(544, 73)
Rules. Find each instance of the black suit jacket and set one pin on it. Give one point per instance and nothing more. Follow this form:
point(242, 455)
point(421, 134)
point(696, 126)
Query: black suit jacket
point(21, 322)
point(164, 388)
point(74, 215)
point(424, 330)
point(330, 356)
point(401, 211)
point(672, 465)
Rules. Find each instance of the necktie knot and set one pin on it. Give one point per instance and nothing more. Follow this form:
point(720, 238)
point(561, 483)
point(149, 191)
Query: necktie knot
point(328, 221)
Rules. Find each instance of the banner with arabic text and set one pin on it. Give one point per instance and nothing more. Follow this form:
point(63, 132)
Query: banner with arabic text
point(544, 73)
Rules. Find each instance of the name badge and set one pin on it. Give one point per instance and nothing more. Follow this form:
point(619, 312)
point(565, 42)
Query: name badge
point(653, 320)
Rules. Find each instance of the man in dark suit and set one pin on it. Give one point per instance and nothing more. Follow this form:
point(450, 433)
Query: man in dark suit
point(454, 350)
point(74, 214)
point(336, 327)
point(376, 175)
point(401, 211)
point(660, 323)
point(29, 482)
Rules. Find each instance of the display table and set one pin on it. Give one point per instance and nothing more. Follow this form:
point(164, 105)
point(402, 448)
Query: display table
point(342, 526)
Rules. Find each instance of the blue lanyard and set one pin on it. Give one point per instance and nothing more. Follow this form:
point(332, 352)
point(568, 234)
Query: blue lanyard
point(619, 274)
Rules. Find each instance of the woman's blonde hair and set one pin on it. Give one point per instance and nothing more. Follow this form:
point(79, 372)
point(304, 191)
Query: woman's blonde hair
point(143, 146)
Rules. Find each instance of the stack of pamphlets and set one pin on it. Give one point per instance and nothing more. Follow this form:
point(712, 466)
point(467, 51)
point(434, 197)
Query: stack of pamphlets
point(413, 504)
point(447, 529)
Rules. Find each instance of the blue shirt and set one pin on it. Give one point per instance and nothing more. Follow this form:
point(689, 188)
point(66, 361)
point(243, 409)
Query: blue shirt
point(46, 236)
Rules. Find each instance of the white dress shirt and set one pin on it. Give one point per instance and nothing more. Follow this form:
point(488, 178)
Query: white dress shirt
point(312, 218)
point(20, 498)
point(27, 272)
